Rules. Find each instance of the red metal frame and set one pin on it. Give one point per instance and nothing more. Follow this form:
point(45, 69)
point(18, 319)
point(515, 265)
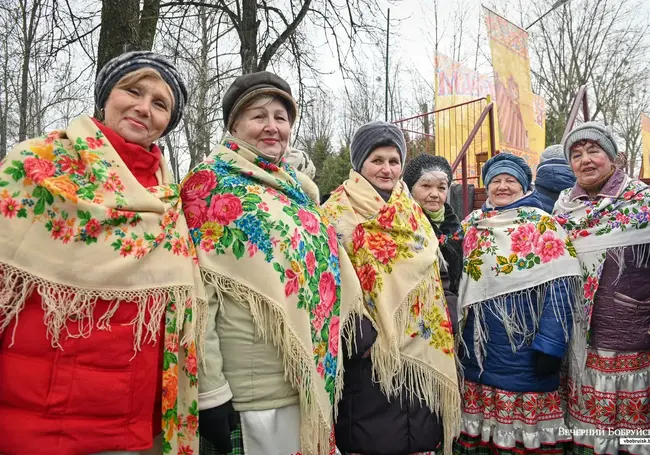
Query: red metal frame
point(580, 99)
point(420, 132)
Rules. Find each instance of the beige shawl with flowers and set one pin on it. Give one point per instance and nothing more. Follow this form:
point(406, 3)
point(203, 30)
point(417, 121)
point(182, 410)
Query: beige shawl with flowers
point(263, 241)
point(395, 254)
point(77, 227)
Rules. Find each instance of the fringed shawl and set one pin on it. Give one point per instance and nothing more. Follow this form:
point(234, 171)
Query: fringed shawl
point(77, 227)
point(609, 224)
point(395, 254)
point(515, 255)
point(263, 241)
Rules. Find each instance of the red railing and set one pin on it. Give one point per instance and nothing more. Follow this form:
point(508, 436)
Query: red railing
point(459, 133)
point(488, 112)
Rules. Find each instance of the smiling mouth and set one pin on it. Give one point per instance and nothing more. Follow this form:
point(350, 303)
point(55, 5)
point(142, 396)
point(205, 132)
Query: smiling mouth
point(270, 141)
point(137, 123)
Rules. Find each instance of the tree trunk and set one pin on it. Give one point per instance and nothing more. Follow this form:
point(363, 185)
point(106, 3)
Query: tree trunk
point(119, 29)
point(148, 23)
point(248, 36)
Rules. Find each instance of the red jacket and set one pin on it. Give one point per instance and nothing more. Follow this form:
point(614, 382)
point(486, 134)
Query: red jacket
point(92, 395)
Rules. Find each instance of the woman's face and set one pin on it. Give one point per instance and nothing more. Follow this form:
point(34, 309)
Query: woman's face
point(430, 191)
point(590, 163)
point(383, 167)
point(140, 113)
point(503, 190)
point(266, 127)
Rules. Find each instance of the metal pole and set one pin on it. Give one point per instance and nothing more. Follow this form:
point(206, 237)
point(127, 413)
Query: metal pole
point(387, 39)
point(555, 6)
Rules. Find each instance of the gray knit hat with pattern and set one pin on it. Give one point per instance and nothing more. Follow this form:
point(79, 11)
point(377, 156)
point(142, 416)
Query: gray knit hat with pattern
point(372, 135)
point(595, 132)
point(129, 62)
point(552, 152)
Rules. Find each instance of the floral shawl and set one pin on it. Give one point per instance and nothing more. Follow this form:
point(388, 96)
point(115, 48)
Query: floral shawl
point(69, 195)
point(395, 254)
point(515, 252)
point(261, 239)
point(607, 224)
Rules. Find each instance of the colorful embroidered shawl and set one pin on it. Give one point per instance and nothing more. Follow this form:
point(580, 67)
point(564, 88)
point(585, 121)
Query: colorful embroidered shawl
point(69, 206)
point(261, 239)
point(395, 254)
point(596, 227)
point(514, 253)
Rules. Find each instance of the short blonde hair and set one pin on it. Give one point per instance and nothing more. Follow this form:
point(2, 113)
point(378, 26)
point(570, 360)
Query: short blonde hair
point(136, 76)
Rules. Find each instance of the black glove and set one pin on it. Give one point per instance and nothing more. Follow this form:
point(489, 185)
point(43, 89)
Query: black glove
point(546, 365)
point(215, 425)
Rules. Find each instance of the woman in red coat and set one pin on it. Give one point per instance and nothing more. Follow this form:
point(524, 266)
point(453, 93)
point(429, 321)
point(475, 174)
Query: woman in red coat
point(98, 282)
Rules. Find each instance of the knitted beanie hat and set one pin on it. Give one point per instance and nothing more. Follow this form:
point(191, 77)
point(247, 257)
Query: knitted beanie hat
point(372, 135)
point(423, 164)
point(129, 62)
point(552, 152)
point(595, 132)
point(507, 163)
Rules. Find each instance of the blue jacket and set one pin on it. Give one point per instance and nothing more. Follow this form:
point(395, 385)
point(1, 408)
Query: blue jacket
point(515, 371)
point(553, 176)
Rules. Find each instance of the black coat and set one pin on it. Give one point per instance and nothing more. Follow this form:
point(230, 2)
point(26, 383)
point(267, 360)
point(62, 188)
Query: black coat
point(451, 246)
point(368, 422)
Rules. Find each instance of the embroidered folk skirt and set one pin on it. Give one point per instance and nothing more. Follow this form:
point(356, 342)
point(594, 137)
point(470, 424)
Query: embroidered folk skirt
point(497, 421)
point(615, 399)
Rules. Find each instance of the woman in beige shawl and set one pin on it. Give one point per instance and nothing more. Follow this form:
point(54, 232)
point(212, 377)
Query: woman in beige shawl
point(275, 282)
point(400, 389)
point(98, 297)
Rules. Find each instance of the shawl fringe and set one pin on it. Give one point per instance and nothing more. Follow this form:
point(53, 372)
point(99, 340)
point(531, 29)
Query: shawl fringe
point(270, 323)
point(517, 323)
point(394, 370)
point(63, 303)
point(640, 256)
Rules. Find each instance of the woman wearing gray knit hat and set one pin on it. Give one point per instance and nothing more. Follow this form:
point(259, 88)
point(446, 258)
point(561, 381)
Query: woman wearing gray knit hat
point(518, 294)
point(95, 312)
point(276, 284)
point(554, 175)
point(400, 389)
point(606, 215)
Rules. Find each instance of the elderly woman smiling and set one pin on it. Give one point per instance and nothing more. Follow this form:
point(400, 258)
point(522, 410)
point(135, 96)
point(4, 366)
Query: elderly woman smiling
point(518, 293)
point(606, 215)
point(276, 284)
point(98, 278)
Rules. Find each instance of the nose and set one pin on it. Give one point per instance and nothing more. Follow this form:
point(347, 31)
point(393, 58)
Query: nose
point(143, 107)
point(271, 126)
point(385, 168)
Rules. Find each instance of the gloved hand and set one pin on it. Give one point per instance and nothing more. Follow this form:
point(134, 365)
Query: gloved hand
point(215, 425)
point(546, 365)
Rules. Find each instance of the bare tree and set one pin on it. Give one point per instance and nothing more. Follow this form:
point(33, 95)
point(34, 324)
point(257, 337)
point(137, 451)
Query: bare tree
point(628, 126)
point(597, 42)
point(124, 26)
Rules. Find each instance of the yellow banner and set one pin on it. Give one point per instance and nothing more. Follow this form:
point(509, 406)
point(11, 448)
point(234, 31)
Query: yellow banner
point(520, 112)
point(645, 141)
point(455, 85)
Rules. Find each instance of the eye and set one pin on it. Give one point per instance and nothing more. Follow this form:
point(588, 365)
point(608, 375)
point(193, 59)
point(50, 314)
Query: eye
point(160, 105)
point(394, 162)
point(133, 90)
point(281, 118)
